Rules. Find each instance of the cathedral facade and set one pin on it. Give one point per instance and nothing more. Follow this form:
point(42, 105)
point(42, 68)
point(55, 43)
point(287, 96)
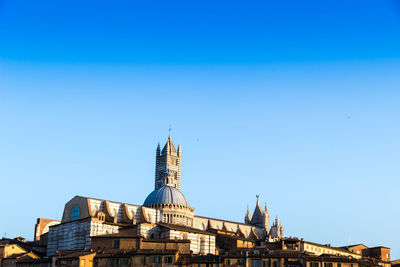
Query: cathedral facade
point(164, 214)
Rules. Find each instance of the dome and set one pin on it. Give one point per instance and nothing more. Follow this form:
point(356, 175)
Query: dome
point(166, 195)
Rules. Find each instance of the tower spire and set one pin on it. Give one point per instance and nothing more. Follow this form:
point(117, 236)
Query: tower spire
point(257, 218)
point(266, 218)
point(247, 217)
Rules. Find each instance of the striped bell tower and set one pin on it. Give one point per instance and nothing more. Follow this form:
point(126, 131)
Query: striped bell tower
point(168, 165)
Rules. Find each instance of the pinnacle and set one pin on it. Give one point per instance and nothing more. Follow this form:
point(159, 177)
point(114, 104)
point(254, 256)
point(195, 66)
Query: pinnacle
point(169, 146)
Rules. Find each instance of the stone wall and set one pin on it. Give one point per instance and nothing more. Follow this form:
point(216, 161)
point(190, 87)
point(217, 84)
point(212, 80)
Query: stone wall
point(76, 234)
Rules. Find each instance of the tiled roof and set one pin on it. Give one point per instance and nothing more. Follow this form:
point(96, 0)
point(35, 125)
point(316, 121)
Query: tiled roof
point(40, 260)
point(183, 228)
point(222, 220)
point(65, 254)
point(129, 252)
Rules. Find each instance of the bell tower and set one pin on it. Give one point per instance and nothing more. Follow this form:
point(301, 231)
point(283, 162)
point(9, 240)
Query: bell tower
point(168, 165)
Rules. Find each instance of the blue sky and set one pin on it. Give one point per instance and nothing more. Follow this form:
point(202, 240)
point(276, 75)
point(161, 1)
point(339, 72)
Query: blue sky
point(297, 101)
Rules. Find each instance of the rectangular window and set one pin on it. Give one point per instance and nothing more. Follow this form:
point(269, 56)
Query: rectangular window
point(168, 259)
point(157, 259)
point(255, 263)
point(116, 243)
point(339, 265)
point(115, 261)
point(108, 261)
point(266, 263)
point(277, 264)
point(228, 262)
point(63, 262)
point(125, 261)
point(74, 262)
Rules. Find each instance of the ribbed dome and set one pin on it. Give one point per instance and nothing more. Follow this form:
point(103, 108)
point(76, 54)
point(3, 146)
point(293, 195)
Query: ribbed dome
point(166, 195)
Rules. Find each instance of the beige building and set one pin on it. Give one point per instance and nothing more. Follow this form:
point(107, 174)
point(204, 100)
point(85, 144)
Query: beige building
point(318, 249)
point(10, 254)
point(7, 250)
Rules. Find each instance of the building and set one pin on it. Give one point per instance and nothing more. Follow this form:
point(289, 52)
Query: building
point(311, 248)
point(164, 231)
point(260, 257)
point(42, 227)
point(75, 258)
point(12, 261)
point(11, 254)
point(13, 251)
point(380, 253)
point(164, 214)
point(395, 263)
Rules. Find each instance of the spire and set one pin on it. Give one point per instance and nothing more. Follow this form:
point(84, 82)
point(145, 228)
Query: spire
point(266, 217)
point(158, 149)
point(179, 150)
point(258, 207)
point(247, 218)
point(258, 215)
point(169, 147)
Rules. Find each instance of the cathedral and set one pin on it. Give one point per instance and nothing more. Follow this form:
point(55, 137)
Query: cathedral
point(164, 214)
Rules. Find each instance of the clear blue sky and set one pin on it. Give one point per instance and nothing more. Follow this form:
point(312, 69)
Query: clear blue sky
point(297, 101)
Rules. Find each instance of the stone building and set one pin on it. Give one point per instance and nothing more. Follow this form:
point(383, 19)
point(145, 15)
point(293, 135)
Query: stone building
point(11, 254)
point(165, 214)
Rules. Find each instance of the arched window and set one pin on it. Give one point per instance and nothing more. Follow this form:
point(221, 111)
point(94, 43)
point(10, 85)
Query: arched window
point(75, 213)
